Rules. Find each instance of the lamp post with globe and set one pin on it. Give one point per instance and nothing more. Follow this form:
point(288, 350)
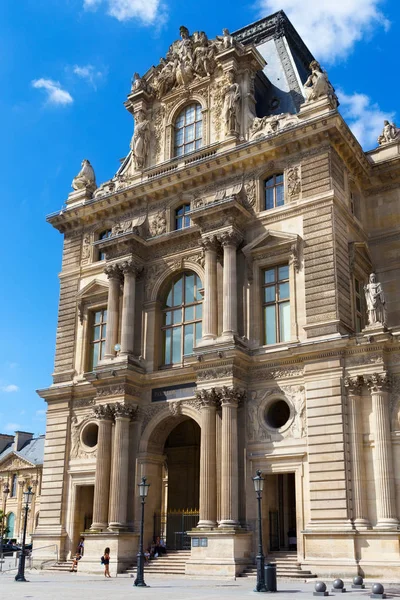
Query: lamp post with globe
point(20, 576)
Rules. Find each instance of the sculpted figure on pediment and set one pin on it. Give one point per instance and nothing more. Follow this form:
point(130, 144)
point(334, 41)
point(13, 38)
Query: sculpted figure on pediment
point(138, 83)
point(318, 84)
point(85, 180)
point(262, 126)
point(140, 139)
point(389, 134)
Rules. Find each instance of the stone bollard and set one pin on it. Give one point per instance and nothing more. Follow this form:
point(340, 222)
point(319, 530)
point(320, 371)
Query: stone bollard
point(338, 586)
point(320, 589)
point(378, 591)
point(358, 583)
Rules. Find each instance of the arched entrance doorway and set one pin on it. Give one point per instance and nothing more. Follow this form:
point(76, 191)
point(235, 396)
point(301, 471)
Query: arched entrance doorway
point(179, 511)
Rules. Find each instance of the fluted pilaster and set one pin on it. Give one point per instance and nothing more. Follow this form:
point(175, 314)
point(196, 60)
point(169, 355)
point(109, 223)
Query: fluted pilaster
point(208, 488)
point(230, 398)
point(360, 511)
point(230, 241)
point(120, 463)
point(103, 467)
point(113, 273)
point(378, 384)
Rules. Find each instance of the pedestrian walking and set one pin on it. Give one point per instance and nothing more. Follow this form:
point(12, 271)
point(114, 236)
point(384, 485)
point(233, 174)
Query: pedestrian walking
point(105, 559)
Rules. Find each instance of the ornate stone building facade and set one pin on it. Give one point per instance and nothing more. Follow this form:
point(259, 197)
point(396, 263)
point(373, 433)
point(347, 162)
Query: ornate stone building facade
point(21, 465)
point(213, 321)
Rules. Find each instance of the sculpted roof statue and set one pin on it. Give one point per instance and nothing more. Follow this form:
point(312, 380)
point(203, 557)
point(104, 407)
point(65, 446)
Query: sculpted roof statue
point(190, 57)
point(390, 133)
point(318, 85)
point(85, 178)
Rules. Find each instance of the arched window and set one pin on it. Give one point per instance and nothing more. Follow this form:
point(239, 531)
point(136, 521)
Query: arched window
point(182, 218)
point(181, 319)
point(10, 525)
point(188, 130)
point(103, 235)
point(14, 486)
point(274, 191)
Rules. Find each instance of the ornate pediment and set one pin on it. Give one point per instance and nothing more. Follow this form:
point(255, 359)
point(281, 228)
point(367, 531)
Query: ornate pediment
point(14, 462)
point(94, 288)
point(270, 239)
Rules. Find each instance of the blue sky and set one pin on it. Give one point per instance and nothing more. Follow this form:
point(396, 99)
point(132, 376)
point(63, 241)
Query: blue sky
point(65, 70)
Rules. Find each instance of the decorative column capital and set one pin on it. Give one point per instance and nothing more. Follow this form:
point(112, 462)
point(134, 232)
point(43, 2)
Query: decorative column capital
point(124, 411)
point(131, 267)
point(210, 243)
point(103, 412)
point(379, 382)
point(231, 396)
point(207, 398)
point(354, 385)
point(113, 271)
point(230, 238)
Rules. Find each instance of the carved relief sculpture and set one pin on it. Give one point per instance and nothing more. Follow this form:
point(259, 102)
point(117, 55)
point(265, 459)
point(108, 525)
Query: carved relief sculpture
point(293, 181)
point(318, 85)
point(390, 133)
point(376, 305)
point(262, 126)
point(158, 224)
point(140, 140)
point(231, 108)
point(85, 180)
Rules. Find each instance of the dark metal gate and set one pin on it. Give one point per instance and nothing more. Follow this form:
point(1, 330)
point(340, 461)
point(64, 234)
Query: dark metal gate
point(173, 527)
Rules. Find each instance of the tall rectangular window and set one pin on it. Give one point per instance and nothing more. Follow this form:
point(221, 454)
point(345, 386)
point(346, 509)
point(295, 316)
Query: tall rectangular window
point(274, 195)
point(276, 304)
point(97, 337)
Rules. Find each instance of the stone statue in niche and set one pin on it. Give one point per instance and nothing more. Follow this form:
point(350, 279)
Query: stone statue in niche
point(85, 180)
point(140, 139)
point(231, 108)
point(389, 134)
point(318, 85)
point(376, 305)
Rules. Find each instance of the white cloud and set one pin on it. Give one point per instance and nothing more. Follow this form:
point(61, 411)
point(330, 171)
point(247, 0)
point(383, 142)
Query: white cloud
point(88, 72)
point(11, 427)
point(330, 28)
point(40, 413)
point(364, 118)
point(146, 11)
point(55, 93)
point(9, 388)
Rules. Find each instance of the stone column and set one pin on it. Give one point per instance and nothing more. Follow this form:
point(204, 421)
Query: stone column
point(230, 398)
point(378, 384)
point(210, 304)
point(103, 468)
point(130, 271)
point(208, 463)
point(120, 463)
point(113, 273)
point(229, 240)
point(360, 511)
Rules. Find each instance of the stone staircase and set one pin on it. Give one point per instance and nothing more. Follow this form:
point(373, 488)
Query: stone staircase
point(287, 567)
point(59, 566)
point(172, 563)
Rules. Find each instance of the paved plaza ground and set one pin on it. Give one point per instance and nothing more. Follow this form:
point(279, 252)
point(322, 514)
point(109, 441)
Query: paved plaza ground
point(44, 585)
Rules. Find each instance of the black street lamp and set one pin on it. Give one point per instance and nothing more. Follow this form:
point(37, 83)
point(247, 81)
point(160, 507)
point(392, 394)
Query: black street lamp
point(6, 491)
point(20, 576)
point(143, 491)
point(258, 487)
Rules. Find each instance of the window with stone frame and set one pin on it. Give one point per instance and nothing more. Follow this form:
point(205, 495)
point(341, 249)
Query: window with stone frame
point(188, 130)
point(181, 317)
point(276, 304)
point(103, 235)
point(14, 483)
point(97, 342)
point(182, 219)
point(359, 304)
point(274, 191)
